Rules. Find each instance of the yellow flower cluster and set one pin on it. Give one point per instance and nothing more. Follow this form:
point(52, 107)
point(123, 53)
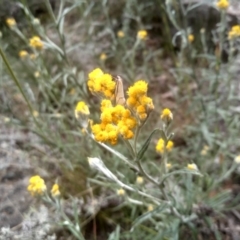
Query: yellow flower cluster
point(234, 32)
point(222, 4)
point(36, 185)
point(121, 119)
point(11, 22)
point(55, 190)
point(36, 42)
point(138, 101)
point(160, 147)
point(115, 121)
point(142, 34)
point(101, 83)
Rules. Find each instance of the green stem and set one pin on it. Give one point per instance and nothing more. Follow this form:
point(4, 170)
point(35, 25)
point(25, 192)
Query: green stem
point(130, 147)
point(145, 174)
point(17, 82)
point(49, 8)
point(161, 188)
point(135, 140)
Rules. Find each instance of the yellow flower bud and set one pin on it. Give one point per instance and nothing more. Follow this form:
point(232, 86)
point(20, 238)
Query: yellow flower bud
point(120, 34)
point(222, 4)
point(192, 166)
point(55, 190)
point(139, 180)
point(23, 54)
point(36, 42)
point(237, 159)
point(150, 207)
point(168, 165)
point(142, 34)
point(81, 108)
point(190, 38)
point(167, 116)
point(11, 22)
point(121, 192)
point(103, 56)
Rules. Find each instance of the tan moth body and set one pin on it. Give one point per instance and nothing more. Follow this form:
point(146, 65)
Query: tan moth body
point(119, 91)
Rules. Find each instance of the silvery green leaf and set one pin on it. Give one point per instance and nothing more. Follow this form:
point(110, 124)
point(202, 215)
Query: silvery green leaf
point(116, 234)
point(146, 144)
point(149, 215)
point(98, 164)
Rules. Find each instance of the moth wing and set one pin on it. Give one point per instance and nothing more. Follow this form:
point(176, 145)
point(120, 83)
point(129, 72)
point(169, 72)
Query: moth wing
point(119, 91)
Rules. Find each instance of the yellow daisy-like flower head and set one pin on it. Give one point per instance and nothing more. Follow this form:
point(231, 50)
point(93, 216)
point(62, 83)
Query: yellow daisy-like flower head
point(82, 113)
point(101, 83)
point(36, 42)
point(222, 4)
point(96, 73)
point(138, 89)
point(81, 109)
point(138, 101)
point(55, 190)
point(23, 54)
point(11, 22)
point(234, 32)
point(166, 116)
point(106, 116)
point(120, 34)
point(115, 121)
point(36, 185)
point(160, 146)
point(142, 34)
point(170, 146)
point(105, 104)
point(190, 38)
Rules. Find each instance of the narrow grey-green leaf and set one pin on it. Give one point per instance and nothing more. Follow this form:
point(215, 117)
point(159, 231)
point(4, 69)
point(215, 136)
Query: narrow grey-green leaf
point(146, 144)
point(148, 215)
point(115, 235)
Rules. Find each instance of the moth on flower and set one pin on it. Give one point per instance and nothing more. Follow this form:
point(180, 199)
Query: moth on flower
point(119, 91)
